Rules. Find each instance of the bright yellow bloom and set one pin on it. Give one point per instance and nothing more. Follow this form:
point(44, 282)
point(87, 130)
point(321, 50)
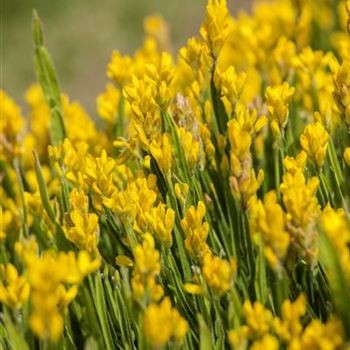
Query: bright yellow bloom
point(141, 95)
point(119, 69)
point(289, 327)
point(190, 146)
point(14, 289)
point(347, 156)
point(268, 341)
point(162, 151)
point(314, 141)
point(277, 100)
point(216, 26)
point(268, 220)
point(341, 78)
point(162, 220)
point(82, 227)
point(48, 276)
point(231, 85)
point(98, 173)
point(300, 201)
point(161, 323)
point(12, 123)
point(146, 270)
point(108, 103)
point(196, 231)
point(323, 336)
point(244, 182)
point(336, 226)
point(218, 273)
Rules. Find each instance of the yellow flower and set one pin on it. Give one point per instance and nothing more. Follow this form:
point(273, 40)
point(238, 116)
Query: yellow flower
point(231, 85)
point(347, 156)
point(218, 273)
point(119, 69)
point(336, 226)
point(82, 227)
point(98, 173)
point(314, 141)
point(196, 231)
point(277, 100)
point(12, 123)
point(146, 270)
point(289, 327)
point(323, 336)
point(268, 341)
point(14, 289)
point(108, 103)
point(190, 146)
point(48, 276)
point(341, 78)
point(257, 318)
point(216, 26)
point(162, 220)
point(161, 323)
point(141, 95)
point(300, 201)
point(162, 151)
point(268, 219)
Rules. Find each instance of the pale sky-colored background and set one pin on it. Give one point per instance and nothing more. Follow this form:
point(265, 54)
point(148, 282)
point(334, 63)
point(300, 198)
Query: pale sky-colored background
point(81, 34)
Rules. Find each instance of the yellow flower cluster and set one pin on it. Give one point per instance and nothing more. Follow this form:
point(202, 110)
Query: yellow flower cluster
point(196, 231)
point(161, 323)
point(211, 193)
point(146, 270)
point(261, 328)
point(269, 221)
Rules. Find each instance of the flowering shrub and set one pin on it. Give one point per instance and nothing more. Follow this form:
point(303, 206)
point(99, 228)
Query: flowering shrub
point(207, 208)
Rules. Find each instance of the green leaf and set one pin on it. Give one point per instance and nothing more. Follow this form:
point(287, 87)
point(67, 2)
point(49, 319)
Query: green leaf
point(15, 336)
point(43, 189)
point(49, 83)
point(205, 336)
point(102, 312)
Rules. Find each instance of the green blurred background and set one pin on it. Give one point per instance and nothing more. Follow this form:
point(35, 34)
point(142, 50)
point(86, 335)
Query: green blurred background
point(81, 34)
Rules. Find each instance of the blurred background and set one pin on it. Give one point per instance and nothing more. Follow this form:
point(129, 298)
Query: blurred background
point(81, 35)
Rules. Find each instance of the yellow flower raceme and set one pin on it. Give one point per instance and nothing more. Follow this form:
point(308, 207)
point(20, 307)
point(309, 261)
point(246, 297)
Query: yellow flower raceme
point(341, 78)
point(347, 156)
point(277, 100)
point(162, 323)
point(218, 273)
point(108, 103)
point(300, 201)
point(146, 270)
point(289, 328)
point(268, 219)
point(141, 95)
point(231, 86)
point(12, 123)
point(216, 26)
point(156, 27)
point(162, 220)
point(14, 289)
point(162, 150)
point(244, 182)
point(196, 231)
point(314, 141)
point(190, 146)
point(336, 226)
point(82, 227)
point(119, 69)
point(98, 174)
point(48, 276)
